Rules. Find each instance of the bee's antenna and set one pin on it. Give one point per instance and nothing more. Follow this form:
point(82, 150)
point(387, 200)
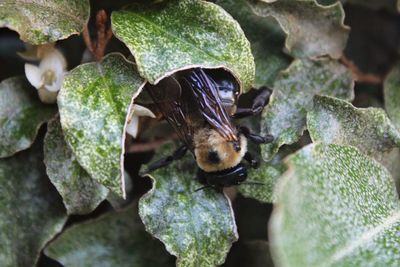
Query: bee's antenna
point(202, 188)
point(252, 183)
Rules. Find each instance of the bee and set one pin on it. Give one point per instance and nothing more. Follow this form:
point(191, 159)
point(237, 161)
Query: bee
point(200, 105)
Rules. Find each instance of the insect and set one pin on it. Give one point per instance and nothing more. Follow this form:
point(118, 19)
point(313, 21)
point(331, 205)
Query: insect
point(200, 105)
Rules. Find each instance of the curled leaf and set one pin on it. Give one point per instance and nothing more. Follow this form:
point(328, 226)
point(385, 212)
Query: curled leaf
point(183, 34)
point(197, 227)
point(336, 121)
point(94, 104)
point(44, 21)
point(292, 98)
point(312, 30)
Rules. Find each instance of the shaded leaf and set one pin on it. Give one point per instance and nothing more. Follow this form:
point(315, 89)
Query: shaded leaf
point(285, 116)
point(183, 34)
point(197, 227)
point(114, 239)
point(81, 194)
point(268, 174)
point(21, 115)
point(94, 103)
point(335, 207)
point(31, 211)
point(312, 30)
point(266, 39)
point(44, 21)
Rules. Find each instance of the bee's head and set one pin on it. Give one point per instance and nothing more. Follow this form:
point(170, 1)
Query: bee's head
point(229, 177)
point(213, 153)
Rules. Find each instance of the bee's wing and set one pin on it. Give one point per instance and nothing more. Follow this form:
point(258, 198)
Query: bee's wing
point(210, 104)
point(167, 98)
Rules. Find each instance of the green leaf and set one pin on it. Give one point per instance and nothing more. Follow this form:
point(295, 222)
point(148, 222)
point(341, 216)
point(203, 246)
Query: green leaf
point(21, 115)
point(335, 207)
point(81, 194)
point(94, 103)
point(31, 211)
point(268, 174)
point(197, 227)
point(312, 30)
point(266, 39)
point(44, 21)
point(369, 129)
point(183, 34)
point(392, 96)
point(285, 116)
point(114, 239)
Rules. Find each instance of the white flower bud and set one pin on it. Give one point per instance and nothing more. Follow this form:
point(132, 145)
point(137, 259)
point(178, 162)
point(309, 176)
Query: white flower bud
point(133, 123)
point(48, 76)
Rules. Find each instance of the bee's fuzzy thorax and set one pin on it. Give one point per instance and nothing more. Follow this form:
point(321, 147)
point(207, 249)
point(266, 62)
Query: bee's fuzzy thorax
point(214, 153)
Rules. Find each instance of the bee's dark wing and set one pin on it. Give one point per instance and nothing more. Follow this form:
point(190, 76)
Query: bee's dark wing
point(167, 98)
point(205, 91)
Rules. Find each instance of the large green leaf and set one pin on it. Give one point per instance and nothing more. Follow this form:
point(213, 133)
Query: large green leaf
point(392, 96)
point(114, 239)
point(44, 21)
point(312, 30)
point(31, 211)
point(370, 130)
point(285, 116)
point(183, 34)
point(21, 115)
point(94, 104)
point(335, 207)
point(81, 194)
point(266, 39)
point(197, 227)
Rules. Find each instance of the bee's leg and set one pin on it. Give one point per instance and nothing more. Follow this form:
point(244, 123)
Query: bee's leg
point(258, 139)
point(177, 155)
point(259, 102)
point(249, 158)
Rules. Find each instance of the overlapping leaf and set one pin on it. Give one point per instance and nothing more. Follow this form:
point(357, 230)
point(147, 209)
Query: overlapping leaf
point(94, 103)
point(81, 194)
point(115, 239)
point(31, 211)
point(336, 121)
point(44, 21)
point(335, 207)
point(294, 89)
point(197, 227)
point(266, 39)
point(312, 30)
point(181, 34)
point(21, 115)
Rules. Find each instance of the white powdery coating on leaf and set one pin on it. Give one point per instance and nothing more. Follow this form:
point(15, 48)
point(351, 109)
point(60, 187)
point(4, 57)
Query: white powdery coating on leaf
point(336, 207)
point(94, 106)
point(197, 227)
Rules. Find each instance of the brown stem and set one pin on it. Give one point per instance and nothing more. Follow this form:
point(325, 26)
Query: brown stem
point(103, 35)
point(358, 74)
